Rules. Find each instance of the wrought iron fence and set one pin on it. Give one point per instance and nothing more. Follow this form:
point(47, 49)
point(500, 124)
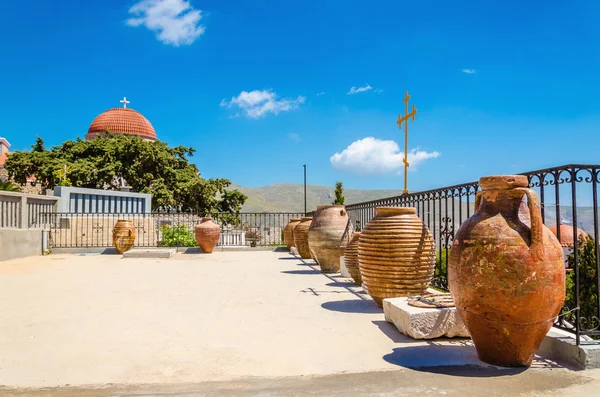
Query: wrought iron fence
point(168, 229)
point(568, 196)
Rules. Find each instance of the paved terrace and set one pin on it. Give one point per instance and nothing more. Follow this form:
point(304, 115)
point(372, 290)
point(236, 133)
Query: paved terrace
point(231, 323)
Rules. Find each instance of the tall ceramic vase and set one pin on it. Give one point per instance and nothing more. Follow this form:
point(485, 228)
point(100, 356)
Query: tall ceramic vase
point(328, 235)
point(506, 273)
point(351, 258)
point(396, 254)
point(207, 234)
point(288, 232)
point(123, 235)
point(301, 237)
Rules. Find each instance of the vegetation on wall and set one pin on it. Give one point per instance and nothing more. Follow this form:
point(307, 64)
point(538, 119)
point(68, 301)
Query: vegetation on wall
point(8, 186)
point(109, 161)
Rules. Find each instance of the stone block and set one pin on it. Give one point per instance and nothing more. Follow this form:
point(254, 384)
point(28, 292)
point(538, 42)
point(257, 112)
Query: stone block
point(149, 253)
point(423, 323)
point(343, 269)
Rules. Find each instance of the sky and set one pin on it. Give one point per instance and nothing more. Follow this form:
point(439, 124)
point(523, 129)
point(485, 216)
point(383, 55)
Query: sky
point(261, 87)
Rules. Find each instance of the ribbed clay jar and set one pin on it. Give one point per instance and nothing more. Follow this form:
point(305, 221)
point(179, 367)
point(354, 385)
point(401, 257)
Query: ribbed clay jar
point(396, 254)
point(506, 272)
point(207, 234)
point(123, 235)
point(328, 235)
point(288, 232)
point(301, 237)
point(351, 258)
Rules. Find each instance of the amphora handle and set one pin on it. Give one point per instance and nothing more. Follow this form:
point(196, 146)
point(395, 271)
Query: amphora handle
point(537, 224)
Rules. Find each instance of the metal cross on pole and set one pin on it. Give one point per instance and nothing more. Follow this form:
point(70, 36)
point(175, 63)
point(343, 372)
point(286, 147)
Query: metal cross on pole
point(124, 101)
point(404, 119)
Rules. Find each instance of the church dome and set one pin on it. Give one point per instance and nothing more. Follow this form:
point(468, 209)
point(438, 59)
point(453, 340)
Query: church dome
point(566, 234)
point(122, 121)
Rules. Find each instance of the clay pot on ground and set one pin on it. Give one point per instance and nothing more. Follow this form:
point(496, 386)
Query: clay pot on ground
point(301, 237)
point(288, 232)
point(328, 235)
point(351, 258)
point(396, 254)
point(123, 235)
point(506, 273)
point(207, 234)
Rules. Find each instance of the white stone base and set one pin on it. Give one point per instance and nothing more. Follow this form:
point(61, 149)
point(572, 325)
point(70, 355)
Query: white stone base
point(423, 323)
point(294, 251)
point(343, 269)
point(149, 253)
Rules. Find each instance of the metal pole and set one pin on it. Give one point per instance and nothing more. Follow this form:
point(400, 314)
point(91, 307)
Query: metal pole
point(304, 189)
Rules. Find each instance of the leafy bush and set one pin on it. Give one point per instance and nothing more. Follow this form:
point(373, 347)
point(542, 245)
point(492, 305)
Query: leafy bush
point(178, 236)
point(588, 279)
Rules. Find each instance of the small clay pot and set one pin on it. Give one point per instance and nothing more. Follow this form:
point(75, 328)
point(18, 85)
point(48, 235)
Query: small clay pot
point(207, 234)
point(301, 237)
point(288, 232)
point(123, 235)
point(351, 258)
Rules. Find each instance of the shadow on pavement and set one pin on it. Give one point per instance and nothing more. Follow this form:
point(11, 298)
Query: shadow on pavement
point(352, 306)
point(392, 332)
point(342, 284)
point(301, 272)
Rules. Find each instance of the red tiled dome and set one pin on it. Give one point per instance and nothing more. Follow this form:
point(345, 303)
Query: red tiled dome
point(122, 121)
point(566, 234)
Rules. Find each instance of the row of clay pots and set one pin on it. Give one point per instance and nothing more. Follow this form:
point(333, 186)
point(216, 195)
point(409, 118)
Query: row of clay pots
point(505, 269)
point(206, 233)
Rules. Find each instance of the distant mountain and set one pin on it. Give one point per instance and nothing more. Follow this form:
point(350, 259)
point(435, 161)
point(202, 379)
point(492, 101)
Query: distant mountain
point(289, 197)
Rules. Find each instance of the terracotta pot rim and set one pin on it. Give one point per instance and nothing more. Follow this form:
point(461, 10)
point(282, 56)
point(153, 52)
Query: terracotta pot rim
point(306, 218)
point(395, 210)
point(354, 234)
point(124, 220)
point(207, 218)
point(502, 182)
point(294, 220)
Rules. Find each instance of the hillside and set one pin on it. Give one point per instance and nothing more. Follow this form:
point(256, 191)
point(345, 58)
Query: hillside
point(288, 197)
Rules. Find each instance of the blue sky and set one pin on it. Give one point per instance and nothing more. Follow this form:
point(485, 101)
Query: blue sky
point(260, 87)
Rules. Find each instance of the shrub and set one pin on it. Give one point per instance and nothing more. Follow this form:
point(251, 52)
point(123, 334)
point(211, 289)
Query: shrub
point(588, 281)
point(178, 236)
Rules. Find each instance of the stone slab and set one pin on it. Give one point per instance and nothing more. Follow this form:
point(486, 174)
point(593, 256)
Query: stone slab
point(150, 253)
point(343, 269)
point(423, 323)
point(560, 345)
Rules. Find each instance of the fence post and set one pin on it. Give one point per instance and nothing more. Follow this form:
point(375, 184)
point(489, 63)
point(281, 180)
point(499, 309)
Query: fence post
point(24, 223)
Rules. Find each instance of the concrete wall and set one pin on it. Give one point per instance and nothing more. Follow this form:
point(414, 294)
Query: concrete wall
point(20, 243)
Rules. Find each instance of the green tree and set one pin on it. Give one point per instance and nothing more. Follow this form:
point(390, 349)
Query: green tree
point(8, 186)
point(147, 166)
point(339, 194)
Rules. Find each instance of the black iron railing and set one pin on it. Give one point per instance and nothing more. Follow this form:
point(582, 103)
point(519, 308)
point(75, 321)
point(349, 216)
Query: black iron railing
point(568, 195)
point(168, 229)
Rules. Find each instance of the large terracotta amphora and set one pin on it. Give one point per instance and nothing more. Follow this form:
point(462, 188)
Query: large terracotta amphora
point(123, 235)
point(506, 273)
point(351, 258)
point(207, 234)
point(301, 237)
point(328, 235)
point(288, 232)
point(396, 254)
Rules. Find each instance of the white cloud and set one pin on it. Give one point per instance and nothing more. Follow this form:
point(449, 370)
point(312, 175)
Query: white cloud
point(175, 22)
point(321, 93)
point(469, 71)
point(354, 90)
point(370, 156)
point(257, 103)
point(294, 137)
